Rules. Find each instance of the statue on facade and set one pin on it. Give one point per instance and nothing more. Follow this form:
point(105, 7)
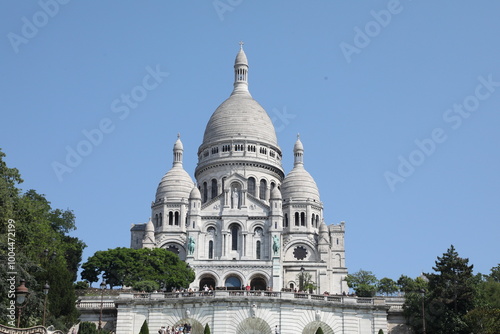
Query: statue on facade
point(191, 245)
point(234, 199)
point(276, 244)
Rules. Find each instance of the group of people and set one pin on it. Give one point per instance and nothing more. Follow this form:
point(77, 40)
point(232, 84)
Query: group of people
point(176, 329)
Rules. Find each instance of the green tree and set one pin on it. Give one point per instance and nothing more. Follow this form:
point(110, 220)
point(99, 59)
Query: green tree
point(305, 279)
point(450, 295)
point(207, 329)
point(127, 266)
point(380, 331)
point(387, 286)
point(45, 253)
point(144, 328)
point(319, 331)
point(363, 282)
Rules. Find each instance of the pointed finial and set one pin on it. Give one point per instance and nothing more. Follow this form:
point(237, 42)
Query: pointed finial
point(298, 136)
point(241, 45)
point(178, 135)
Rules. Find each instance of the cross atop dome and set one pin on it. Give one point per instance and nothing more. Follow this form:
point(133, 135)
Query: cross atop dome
point(241, 45)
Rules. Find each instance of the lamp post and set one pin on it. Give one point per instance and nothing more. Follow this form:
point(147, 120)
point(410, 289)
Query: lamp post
point(301, 280)
point(422, 292)
point(21, 294)
point(103, 287)
point(46, 288)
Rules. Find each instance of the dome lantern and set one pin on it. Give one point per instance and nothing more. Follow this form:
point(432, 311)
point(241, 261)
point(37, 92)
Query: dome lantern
point(241, 72)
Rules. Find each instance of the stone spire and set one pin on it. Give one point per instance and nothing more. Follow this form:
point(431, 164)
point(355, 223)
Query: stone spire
point(241, 72)
point(178, 151)
point(298, 152)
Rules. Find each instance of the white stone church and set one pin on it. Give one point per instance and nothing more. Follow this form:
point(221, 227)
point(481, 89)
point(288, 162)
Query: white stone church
point(245, 221)
point(252, 233)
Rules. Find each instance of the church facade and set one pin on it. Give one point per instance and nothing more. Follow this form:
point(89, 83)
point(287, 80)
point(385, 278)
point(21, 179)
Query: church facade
point(245, 222)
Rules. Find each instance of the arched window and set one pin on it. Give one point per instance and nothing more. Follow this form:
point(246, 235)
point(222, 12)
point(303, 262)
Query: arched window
point(317, 220)
point(210, 249)
point(214, 188)
point(223, 183)
point(170, 218)
point(161, 219)
point(273, 185)
point(297, 219)
point(257, 249)
point(251, 186)
point(205, 192)
point(233, 283)
point(156, 220)
point(312, 220)
point(286, 219)
point(263, 188)
point(234, 236)
point(302, 219)
point(176, 218)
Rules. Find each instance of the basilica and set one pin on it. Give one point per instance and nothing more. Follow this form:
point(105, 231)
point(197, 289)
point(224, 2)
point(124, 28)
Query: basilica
point(244, 222)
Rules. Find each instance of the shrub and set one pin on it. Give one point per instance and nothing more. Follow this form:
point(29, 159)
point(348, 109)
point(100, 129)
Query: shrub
point(148, 286)
point(87, 328)
point(144, 328)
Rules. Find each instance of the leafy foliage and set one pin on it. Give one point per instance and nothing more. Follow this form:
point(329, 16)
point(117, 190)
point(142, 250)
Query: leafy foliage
point(147, 286)
point(207, 329)
point(408, 285)
point(387, 286)
point(87, 328)
point(363, 282)
point(126, 267)
point(483, 320)
point(305, 279)
point(44, 252)
point(319, 331)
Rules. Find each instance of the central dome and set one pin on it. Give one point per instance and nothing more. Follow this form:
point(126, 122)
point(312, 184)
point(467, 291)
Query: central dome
point(240, 116)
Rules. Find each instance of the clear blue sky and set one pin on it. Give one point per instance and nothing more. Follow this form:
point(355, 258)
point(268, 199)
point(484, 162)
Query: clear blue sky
point(397, 104)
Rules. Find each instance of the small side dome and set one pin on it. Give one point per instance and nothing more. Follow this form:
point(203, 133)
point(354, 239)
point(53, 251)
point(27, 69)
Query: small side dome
point(175, 184)
point(299, 185)
point(323, 228)
point(195, 194)
point(276, 193)
point(149, 226)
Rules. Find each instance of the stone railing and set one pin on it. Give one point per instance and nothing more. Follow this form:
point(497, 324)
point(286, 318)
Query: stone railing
point(253, 294)
point(94, 304)
point(86, 303)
